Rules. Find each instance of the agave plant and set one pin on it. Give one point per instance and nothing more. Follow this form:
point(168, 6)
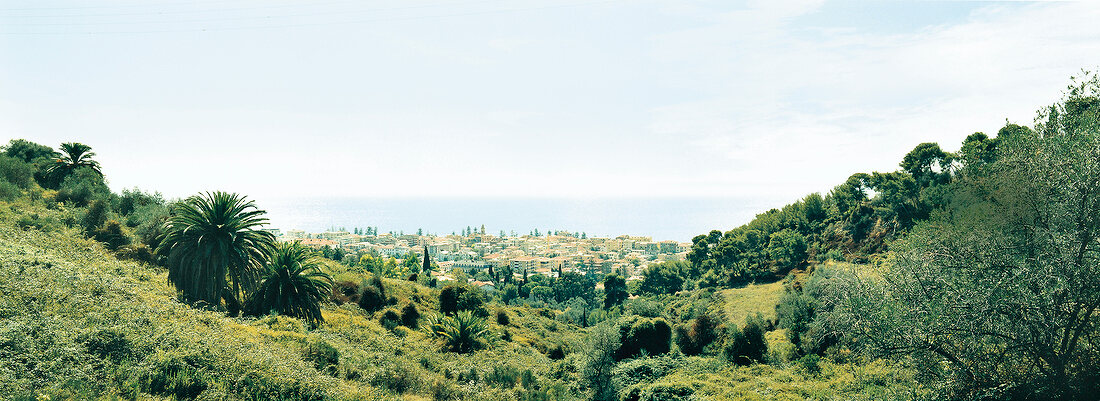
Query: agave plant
point(294, 286)
point(462, 332)
point(214, 237)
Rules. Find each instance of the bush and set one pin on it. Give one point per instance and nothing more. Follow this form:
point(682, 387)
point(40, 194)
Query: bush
point(503, 376)
point(643, 334)
point(106, 344)
point(94, 217)
point(344, 292)
point(701, 333)
point(410, 317)
point(324, 356)
point(372, 297)
point(9, 191)
point(747, 345)
point(390, 320)
point(502, 318)
point(456, 298)
point(464, 332)
point(179, 376)
point(16, 172)
point(111, 234)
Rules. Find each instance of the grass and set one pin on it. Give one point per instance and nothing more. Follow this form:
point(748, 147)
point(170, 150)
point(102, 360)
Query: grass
point(751, 299)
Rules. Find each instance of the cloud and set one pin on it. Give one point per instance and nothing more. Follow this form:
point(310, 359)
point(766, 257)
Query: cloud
point(813, 104)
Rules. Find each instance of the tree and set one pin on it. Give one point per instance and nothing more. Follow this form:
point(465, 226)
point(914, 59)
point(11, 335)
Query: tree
point(1003, 287)
point(214, 236)
point(614, 291)
point(787, 249)
point(572, 285)
point(294, 285)
point(73, 156)
point(662, 278)
point(427, 265)
point(598, 359)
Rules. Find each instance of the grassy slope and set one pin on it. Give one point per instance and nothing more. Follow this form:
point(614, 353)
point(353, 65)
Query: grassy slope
point(782, 378)
point(78, 323)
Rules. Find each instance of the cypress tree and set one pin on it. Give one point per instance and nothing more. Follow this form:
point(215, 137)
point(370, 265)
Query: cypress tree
point(427, 261)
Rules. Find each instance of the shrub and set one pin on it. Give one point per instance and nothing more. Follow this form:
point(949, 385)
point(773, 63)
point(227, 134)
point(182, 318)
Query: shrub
point(502, 318)
point(390, 320)
point(179, 376)
point(702, 332)
point(9, 191)
point(106, 344)
point(94, 217)
point(456, 298)
point(643, 334)
point(345, 291)
point(410, 317)
point(17, 172)
point(464, 332)
point(667, 392)
point(503, 376)
point(747, 345)
point(324, 356)
point(111, 234)
point(372, 298)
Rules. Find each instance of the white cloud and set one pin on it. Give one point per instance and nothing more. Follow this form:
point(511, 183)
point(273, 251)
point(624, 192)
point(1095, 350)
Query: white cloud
point(809, 107)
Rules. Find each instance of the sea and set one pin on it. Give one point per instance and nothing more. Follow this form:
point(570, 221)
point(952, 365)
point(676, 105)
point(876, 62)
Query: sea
point(677, 219)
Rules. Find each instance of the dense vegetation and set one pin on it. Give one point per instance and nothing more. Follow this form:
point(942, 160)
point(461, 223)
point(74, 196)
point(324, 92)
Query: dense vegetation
point(962, 275)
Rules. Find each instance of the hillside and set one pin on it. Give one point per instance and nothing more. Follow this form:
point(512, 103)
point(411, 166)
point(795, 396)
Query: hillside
point(81, 324)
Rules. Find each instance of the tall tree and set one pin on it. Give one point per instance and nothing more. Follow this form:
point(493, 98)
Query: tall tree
point(614, 290)
point(427, 266)
point(213, 237)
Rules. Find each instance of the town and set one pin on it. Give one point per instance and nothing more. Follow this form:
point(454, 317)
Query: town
point(479, 254)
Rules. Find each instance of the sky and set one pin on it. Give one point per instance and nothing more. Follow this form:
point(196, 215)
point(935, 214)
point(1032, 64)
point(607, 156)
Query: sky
point(537, 98)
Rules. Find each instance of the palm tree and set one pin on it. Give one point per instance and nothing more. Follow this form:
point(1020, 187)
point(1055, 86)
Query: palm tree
point(73, 156)
point(294, 286)
point(214, 235)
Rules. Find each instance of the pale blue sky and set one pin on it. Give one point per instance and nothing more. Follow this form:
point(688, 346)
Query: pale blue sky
point(762, 100)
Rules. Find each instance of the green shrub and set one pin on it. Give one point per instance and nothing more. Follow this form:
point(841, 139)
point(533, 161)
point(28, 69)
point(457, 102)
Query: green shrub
point(504, 376)
point(651, 336)
point(502, 318)
point(324, 356)
point(106, 344)
point(747, 345)
point(390, 319)
point(372, 298)
point(457, 298)
point(111, 234)
point(410, 316)
point(464, 332)
point(344, 292)
point(9, 191)
point(179, 376)
point(667, 392)
point(17, 172)
point(693, 340)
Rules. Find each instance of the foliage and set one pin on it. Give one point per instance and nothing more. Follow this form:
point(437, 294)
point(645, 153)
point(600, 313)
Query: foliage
point(663, 278)
point(457, 298)
point(74, 156)
point(702, 332)
point(462, 332)
point(597, 360)
point(637, 335)
point(746, 345)
point(614, 290)
point(1001, 287)
point(410, 316)
point(294, 284)
point(213, 236)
